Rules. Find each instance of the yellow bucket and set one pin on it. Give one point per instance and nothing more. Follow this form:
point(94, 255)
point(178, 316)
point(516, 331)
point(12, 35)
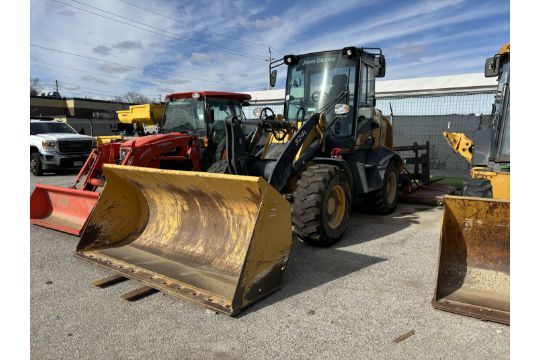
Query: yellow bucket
point(474, 263)
point(219, 240)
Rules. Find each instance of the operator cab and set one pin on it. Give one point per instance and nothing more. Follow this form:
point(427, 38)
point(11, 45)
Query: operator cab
point(203, 114)
point(338, 83)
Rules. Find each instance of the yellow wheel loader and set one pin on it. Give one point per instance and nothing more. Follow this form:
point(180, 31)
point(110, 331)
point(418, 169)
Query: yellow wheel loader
point(474, 261)
point(223, 238)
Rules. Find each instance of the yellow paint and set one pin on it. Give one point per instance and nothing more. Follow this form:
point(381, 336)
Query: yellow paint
point(148, 114)
point(105, 139)
point(215, 232)
point(500, 181)
point(474, 257)
point(460, 143)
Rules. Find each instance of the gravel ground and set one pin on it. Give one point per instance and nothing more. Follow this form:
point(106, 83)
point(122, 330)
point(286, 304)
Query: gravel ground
point(345, 302)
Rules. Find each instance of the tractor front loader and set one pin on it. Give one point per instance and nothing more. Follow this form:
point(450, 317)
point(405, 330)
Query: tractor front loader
point(191, 137)
point(222, 238)
point(68, 209)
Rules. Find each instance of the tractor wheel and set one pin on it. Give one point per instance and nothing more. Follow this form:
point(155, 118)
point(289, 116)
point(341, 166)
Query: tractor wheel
point(321, 205)
point(219, 167)
point(384, 201)
point(35, 164)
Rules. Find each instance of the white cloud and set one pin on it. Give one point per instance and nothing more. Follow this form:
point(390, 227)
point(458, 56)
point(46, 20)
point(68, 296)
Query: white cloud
point(407, 32)
point(200, 57)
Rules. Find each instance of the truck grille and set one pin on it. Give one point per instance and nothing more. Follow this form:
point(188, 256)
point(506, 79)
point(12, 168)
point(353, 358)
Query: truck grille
point(75, 147)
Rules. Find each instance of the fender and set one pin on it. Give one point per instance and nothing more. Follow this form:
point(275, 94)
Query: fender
point(376, 163)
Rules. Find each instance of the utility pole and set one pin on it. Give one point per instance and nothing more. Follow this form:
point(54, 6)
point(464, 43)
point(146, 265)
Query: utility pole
point(269, 66)
point(56, 81)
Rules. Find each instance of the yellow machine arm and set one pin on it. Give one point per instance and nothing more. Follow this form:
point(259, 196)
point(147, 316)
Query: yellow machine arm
point(460, 143)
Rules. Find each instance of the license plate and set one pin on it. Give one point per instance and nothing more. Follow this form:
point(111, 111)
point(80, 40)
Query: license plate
point(77, 163)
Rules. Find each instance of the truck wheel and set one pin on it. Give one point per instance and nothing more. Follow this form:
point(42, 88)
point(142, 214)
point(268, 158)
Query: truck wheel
point(219, 167)
point(321, 205)
point(384, 201)
point(35, 164)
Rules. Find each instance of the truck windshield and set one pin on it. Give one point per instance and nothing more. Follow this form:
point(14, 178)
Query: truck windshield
point(50, 128)
point(318, 82)
point(184, 115)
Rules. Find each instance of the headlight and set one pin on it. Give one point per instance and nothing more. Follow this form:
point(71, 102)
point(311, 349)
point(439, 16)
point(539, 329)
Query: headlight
point(48, 144)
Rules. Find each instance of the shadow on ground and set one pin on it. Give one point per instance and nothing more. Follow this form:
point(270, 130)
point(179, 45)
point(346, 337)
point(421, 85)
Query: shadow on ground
point(310, 267)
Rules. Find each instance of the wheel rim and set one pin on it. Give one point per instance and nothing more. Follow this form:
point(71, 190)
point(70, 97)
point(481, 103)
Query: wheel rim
point(391, 188)
point(335, 206)
point(33, 165)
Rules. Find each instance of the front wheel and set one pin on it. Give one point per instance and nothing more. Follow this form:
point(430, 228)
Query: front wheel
point(35, 164)
point(321, 205)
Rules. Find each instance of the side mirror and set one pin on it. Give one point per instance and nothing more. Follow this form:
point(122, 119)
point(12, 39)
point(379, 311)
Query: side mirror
point(380, 66)
point(341, 109)
point(208, 116)
point(492, 66)
point(273, 76)
point(257, 112)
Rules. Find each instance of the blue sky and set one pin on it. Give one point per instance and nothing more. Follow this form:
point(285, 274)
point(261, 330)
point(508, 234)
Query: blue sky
point(158, 47)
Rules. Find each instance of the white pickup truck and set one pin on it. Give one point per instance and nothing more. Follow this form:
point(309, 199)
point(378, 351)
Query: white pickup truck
point(54, 145)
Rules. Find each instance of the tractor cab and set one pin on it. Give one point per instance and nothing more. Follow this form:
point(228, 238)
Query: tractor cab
point(203, 113)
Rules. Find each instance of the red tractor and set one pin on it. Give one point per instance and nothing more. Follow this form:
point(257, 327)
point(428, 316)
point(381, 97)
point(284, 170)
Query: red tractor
point(192, 137)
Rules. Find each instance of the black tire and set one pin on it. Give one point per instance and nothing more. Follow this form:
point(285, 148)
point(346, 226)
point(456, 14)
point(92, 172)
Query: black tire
point(478, 188)
point(384, 201)
point(35, 164)
point(321, 205)
point(219, 167)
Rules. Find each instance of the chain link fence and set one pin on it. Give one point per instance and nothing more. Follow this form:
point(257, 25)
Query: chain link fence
point(424, 118)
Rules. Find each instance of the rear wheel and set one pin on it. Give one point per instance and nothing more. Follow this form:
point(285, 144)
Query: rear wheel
point(321, 205)
point(35, 164)
point(384, 201)
point(219, 167)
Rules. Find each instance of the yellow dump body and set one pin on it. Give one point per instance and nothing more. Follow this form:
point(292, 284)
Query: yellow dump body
point(147, 114)
point(219, 240)
point(474, 264)
point(105, 139)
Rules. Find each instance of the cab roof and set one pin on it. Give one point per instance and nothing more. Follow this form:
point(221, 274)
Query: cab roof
point(223, 94)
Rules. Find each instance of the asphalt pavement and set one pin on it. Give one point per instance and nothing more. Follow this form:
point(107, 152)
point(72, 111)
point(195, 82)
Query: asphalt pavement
point(349, 301)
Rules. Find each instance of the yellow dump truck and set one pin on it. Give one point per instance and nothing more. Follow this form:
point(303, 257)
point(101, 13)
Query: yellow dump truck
point(141, 118)
point(474, 262)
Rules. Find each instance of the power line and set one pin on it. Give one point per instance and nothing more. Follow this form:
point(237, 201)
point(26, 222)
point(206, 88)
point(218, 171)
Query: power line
point(92, 73)
point(176, 36)
point(134, 67)
point(97, 91)
point(191, 25)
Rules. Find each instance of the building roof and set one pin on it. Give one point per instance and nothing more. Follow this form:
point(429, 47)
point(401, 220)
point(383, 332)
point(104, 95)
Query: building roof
point(406, 87)
point(435, 85)
point(189, 94)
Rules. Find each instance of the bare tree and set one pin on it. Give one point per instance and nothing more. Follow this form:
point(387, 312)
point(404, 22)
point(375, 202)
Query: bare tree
point(136, 98)
point(35, 87)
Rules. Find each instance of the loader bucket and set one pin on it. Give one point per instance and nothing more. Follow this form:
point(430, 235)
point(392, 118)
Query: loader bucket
point(222, 241)
point(61, 209)
point(474, 262)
